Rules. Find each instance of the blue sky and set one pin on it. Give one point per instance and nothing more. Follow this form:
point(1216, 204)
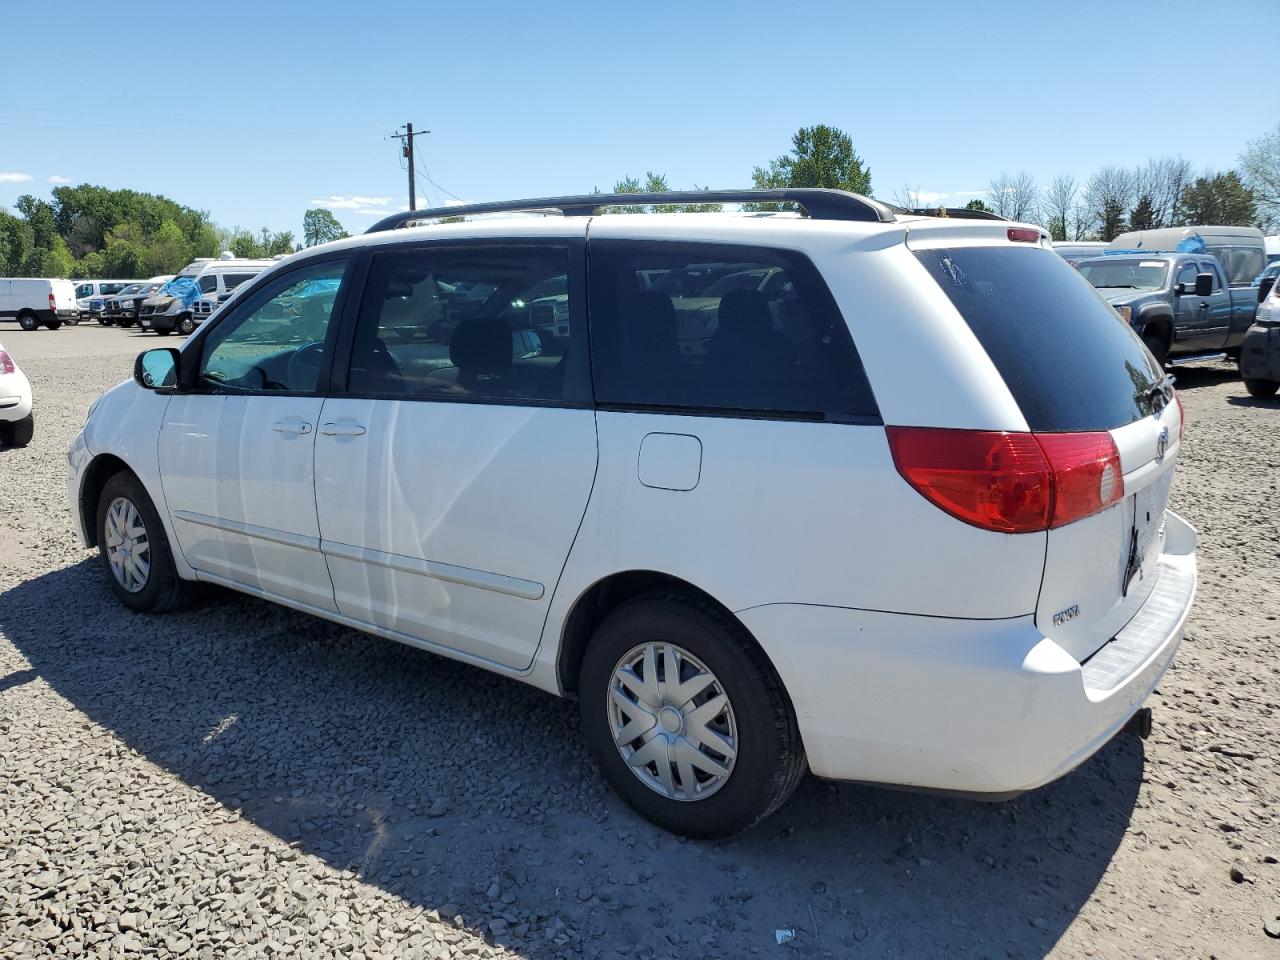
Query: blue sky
point(256, 111)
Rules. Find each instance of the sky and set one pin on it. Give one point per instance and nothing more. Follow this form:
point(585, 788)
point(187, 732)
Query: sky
point(257, 111)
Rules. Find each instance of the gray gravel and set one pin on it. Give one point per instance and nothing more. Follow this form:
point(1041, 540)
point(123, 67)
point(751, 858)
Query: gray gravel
point(242, 780)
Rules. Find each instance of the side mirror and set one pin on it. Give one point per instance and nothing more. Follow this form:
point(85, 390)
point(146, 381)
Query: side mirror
point(157, 369)
point(1179, 289)
point(1264, 288)
point(1204, 284)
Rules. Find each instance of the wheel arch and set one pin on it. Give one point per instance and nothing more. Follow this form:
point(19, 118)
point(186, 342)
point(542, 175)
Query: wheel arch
point(101, 469)
point(608, 593)
point(1158, 325)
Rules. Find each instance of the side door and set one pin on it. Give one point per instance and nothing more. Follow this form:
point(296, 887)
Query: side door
point(1191, 325)
point(1219, 326)
point(454, 464)
point(237, 449)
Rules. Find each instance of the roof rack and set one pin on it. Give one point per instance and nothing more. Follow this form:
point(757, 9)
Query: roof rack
point(818, 203)
point(957, 213)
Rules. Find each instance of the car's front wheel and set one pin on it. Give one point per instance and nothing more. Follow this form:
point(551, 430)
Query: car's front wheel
point(186, 326)
point(686, 717)
point(1158, 349)
point(134, 549)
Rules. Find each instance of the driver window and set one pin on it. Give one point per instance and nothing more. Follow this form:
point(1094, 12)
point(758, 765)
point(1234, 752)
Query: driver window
point(275, 341)
point(208, 283)
point(1187, 275)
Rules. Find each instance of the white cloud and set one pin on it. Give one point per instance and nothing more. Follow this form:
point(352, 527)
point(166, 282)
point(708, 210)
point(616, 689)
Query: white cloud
point(56, 178)
point(14, 177)
point(357, 204)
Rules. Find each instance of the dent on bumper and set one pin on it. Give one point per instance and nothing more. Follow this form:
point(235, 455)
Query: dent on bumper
point(973, 706)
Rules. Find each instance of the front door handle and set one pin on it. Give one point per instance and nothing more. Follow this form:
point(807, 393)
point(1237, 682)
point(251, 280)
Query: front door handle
point(342, 428)
point(292, 425)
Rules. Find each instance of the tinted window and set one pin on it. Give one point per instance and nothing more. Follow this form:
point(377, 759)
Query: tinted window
point(274, 341)
point(706, 327)
point(208, 283)
point(1068, 359)
point(84, 290)
point(233, 280)
point(1240, 264)
point(465, 322)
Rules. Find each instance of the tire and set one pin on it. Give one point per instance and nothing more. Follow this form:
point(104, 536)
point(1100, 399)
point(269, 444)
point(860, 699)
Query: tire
point(186, 326)
point(19, 434)
point(53, 324)
point(163, 333)
point(28, 321)
point(160, 589)
point(769, 761)
point(1262, 388)
point(1158, 349)
point(104, 321)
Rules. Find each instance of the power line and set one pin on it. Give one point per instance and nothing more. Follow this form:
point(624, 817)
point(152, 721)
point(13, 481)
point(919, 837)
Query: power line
point(406, 149)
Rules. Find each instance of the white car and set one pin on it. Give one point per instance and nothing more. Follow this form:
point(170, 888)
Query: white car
point(17, 423)
point(906, 523)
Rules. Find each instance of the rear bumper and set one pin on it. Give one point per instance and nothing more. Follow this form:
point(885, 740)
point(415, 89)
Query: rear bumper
point(14, 407)
point(972, 706)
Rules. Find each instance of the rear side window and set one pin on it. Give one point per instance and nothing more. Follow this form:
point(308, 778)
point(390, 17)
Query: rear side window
point(712, 328)
point(1068, 359)
point(465, 323)
point(1240, 263)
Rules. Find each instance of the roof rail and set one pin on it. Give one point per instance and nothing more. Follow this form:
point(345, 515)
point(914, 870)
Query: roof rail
point(819, 203)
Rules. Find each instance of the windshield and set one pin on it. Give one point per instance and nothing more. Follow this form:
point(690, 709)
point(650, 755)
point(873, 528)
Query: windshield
point(132, 288)
point(1137, 274)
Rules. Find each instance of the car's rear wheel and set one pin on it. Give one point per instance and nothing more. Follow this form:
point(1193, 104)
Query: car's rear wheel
point(18, 433)
point(28, 321)
point(53, 324)
point(686, 717)
point(134, 549)
point(1262, 388)
point(1158, 349)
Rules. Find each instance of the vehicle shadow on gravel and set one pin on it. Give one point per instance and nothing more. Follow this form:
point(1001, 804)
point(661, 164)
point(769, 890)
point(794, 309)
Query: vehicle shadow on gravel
point(472, 795)
point(1205, 375)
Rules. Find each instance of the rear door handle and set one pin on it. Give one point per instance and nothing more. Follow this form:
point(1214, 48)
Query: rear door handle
point(342, 428)
point(292, 425)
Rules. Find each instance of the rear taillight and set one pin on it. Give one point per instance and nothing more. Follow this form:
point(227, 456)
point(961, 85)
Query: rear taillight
point(1010, 482)
point(6, 362)
point(53, 303)
point(1182, 415)
point(1024, 235)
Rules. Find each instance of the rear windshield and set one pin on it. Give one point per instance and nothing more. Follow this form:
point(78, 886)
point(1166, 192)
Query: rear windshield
point(1068, 359)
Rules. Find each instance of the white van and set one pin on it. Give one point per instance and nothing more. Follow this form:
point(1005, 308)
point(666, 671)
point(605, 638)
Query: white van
point(170, 307)
point(33, 301)
point(1240, 250)
point(89, 290)
point(863, 520)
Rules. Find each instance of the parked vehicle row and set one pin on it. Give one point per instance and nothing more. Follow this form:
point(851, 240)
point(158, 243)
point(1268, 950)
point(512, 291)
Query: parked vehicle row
point(971, 582)
point(91, 296)
point(172, 307)
point(122, 309)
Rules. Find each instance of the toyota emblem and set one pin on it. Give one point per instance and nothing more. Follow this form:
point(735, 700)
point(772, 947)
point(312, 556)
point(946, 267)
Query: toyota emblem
point(1162, 443)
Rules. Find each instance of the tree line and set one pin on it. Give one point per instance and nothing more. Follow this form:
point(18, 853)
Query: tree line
point(91, 231)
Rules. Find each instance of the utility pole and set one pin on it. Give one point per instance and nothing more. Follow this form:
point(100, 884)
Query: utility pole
point(406, 149)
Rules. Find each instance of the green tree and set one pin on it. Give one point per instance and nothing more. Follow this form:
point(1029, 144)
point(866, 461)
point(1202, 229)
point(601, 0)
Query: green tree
point(320, 226)
point(274, 244)
point(1143, 214)
point(125, 258)
point(243, 244)
point(1221, 199)
point(16, 242)
point(820, 156)
point(169, 251)
point(92, 265)
point(656, 183)
point(976, 204)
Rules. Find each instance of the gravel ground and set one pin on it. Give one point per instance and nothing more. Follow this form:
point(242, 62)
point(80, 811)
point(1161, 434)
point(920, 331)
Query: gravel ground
point(241, 780)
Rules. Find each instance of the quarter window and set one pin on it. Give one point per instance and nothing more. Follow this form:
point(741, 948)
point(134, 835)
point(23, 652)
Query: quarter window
point(714, 328)
point(471, 322)
point(275, 341)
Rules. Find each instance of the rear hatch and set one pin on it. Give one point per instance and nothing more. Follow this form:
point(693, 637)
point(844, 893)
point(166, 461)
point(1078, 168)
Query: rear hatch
point(1074, 367)
point(64, 294)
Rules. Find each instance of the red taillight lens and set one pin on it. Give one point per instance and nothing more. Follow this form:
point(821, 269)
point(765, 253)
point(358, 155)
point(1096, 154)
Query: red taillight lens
point(53, 304)
point(6, 362)
point(1086, 474)
point(1010, 482)
point(997, 481)
point(1024, 235)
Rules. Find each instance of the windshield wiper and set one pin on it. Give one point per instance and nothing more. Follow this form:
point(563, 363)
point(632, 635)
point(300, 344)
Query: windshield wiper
point(1162, 388)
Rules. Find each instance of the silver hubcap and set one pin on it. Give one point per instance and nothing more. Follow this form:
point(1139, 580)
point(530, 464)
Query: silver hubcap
point(672, 722)
point(128, 549)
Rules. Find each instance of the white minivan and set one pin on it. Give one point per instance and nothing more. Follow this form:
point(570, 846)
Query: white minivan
point(897, 515)
point(36, 302)
point(91, 296)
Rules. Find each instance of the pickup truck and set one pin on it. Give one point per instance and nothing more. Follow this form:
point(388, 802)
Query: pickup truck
point(1179, 303)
